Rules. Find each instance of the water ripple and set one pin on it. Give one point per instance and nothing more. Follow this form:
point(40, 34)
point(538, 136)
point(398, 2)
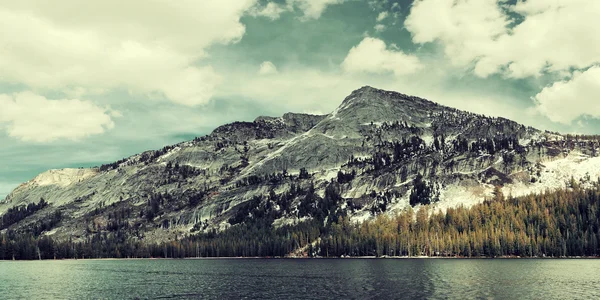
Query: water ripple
point(301, 279)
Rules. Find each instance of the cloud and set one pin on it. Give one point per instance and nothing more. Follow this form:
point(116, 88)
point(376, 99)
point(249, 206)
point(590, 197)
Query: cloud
point(146, 47)
point(382, 15)
point(271, 10)
point(296, 88)
point(565, 101)
point(553, 36)
point(379, 28)
point(312, 9)
point(463, 27)
point(267, 68)
point(33, 118)
point(372, 56)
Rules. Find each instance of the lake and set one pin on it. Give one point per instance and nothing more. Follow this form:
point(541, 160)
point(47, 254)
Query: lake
point(302, 278)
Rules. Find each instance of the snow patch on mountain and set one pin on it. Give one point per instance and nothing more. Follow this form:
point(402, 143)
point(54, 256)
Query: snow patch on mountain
point(557, 174)
point(327, 174)
point(428, 139)
point(456, 195)
point(361, 216)
point(287, 221)
point(399, 205)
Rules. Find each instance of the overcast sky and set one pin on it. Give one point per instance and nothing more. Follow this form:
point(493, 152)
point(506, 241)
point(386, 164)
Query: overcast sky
point(88, 82)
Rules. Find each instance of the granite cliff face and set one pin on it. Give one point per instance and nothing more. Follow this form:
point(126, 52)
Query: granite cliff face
point(375, 150)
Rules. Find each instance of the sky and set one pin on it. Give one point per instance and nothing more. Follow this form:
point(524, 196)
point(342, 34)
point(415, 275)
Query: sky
point(84, 83)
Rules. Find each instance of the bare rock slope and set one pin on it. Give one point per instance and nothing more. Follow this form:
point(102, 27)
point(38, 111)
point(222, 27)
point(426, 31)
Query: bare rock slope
point(379, 152)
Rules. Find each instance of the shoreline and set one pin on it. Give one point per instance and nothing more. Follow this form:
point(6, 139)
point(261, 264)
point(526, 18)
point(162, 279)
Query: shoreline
point(317, 258)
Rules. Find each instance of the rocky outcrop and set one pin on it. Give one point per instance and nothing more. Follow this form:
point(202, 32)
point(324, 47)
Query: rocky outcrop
point(369, 150)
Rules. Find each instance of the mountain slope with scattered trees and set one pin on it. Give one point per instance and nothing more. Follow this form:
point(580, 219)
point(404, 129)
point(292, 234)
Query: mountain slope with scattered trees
point(563, 223)
point(302, 183)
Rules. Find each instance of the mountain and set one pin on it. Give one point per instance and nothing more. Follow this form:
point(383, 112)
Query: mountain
point(378, 152)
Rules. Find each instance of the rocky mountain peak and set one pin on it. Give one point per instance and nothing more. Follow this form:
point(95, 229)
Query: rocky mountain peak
point(371, 105)
point(368, 151)
point(377, 96)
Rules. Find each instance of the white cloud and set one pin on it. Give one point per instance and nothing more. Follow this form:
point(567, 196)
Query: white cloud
point(565, 101)
point(267, 68)
point(463, 27)
point(379, 28)
point(146, 47)
point(31, 117)
point(382, 15)
point(312, 9)
point(553, 36)
point(271, 10)
point(372, 56)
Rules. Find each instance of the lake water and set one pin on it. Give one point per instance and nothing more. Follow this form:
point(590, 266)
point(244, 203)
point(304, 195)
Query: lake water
point(302, 278)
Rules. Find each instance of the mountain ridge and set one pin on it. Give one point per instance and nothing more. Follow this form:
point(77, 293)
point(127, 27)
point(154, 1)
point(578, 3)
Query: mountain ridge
point(369, 152)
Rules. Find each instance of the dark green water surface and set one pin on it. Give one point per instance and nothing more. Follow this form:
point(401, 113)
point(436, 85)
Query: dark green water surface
point(302, 279)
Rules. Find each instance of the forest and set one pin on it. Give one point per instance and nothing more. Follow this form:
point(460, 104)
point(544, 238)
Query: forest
point(563, 223)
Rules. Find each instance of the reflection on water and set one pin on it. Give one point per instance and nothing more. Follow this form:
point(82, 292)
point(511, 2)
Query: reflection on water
point(301, 278)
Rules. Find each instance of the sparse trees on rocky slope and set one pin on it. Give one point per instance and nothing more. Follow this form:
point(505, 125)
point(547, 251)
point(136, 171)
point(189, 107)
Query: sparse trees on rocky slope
point(553, 224)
